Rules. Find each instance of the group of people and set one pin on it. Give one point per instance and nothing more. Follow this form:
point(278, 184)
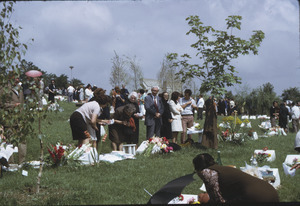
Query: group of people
point(80, 93)
point(285, 112)
point(163, 116)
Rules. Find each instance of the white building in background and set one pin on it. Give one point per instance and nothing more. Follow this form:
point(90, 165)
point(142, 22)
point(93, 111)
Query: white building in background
point(147, 84)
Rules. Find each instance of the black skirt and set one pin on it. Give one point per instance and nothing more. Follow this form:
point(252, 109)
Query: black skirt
point(78, 126)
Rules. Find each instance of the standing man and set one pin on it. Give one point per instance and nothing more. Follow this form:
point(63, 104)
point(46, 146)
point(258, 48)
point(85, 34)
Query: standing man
point(295, 113)
point(154, 109)
point(70, 91)
point(200, 105)
point(187, 116)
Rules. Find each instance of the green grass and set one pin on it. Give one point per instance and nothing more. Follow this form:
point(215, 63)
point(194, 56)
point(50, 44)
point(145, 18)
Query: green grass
point(123, 182)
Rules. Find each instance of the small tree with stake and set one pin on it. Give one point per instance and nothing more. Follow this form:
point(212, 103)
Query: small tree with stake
point(20, 118)
point(216, 49)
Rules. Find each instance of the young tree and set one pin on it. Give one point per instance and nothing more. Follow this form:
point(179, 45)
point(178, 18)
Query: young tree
point(135, 74)
point(20, 118)
point(118, 71)
point(215, 50)
point(11, 51)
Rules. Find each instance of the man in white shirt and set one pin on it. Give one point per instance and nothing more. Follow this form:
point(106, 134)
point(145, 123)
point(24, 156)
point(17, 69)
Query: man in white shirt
point(295, 113)
point(70, 91)
point(187, 115)
point(200, 105)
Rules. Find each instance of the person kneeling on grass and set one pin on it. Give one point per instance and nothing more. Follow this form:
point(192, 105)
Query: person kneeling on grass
point(83, 121)
point(226, 184)
point(123, 128)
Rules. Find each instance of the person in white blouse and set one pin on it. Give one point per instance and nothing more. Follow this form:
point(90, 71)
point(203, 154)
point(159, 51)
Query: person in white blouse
point(295, 113)
point(83, 120)
point(176, 110)
point(88, 92)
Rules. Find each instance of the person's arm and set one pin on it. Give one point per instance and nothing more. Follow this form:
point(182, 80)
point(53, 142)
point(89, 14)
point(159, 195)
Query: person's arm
point(210, 179)
point(94, 121)
point(103, 121)
point(173, 109)
point(121, 122)
point(296, 166)
point(149, 106)
point(186, 104)
point(194, 105)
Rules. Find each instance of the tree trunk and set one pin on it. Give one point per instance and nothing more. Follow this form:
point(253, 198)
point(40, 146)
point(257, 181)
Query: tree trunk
point(41, 159)
point(41, 167)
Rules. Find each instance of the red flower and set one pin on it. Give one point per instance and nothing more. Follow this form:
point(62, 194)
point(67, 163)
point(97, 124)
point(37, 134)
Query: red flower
point(265, 148)
point(181, 198)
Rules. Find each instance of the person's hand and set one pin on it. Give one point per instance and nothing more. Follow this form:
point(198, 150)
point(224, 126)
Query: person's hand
point(95, 127)
point(203, 198)
point(170, 120)
point(296, 166)
point(126, 123)
point(157, 115)
point(87, 134)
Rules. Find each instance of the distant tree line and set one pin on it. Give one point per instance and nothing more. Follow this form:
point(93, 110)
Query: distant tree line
point(61, 81)
point(260, 99)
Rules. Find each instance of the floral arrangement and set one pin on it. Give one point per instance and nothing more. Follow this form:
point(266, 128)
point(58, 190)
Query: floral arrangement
point(198, 127)
point(60, 154)
point(295, 161)
point(232, 120)
point(262, 156)
point(189, 201)
point(57, 154)
point(157, 145)
point(230, 129)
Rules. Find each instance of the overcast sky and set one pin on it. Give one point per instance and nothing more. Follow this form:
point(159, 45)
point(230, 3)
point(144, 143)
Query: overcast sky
point(85, 34)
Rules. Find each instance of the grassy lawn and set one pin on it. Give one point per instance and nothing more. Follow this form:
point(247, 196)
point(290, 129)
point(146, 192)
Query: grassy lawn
point(123, 182)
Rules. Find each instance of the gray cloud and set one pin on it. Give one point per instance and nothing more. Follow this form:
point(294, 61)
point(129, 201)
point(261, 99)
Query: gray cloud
point(85, 35)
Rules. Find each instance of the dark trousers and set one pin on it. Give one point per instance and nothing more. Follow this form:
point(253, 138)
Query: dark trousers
point(153, 129)
point(199, 113)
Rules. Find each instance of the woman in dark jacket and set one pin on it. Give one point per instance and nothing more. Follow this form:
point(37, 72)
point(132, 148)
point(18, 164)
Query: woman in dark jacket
point(226, 184)
point(166, 128)
point(283, 114)
point(52, 91)
point(133, 138)
point(123, 126)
